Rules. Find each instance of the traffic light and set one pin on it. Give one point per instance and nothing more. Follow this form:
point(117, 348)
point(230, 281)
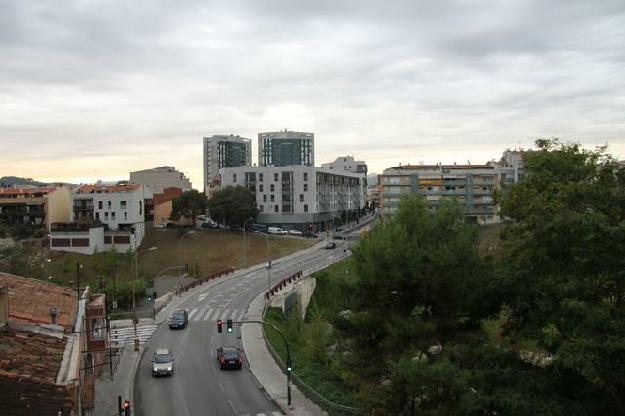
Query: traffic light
point(229, 326)
point(126, 408)
point(220, 325)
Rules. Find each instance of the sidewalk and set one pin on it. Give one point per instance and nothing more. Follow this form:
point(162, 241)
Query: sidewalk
point(107, 388)
point(265, 369)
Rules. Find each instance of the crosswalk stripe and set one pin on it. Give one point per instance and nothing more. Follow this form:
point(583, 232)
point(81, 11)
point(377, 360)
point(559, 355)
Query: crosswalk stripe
point(208, 315)
point(193, 312)
point(233, 314)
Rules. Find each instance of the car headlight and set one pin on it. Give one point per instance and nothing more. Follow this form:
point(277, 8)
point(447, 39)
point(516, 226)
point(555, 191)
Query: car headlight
point(168, 368)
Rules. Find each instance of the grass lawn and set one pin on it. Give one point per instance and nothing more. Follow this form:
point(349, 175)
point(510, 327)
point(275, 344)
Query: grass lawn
point(205, 251)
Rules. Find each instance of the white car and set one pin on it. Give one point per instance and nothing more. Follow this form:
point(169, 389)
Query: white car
point(295, 232)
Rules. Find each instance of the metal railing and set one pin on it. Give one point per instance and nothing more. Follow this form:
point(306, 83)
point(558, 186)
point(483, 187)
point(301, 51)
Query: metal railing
point(201, 280)
point(333, 409)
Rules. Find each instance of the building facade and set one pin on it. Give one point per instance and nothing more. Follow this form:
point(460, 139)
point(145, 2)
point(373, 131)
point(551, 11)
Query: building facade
point(157, 179)
point(471, 186)
point(224, 151)
point(103, 217)
point(511, 166)
point(299, 197)
point(53, 343)
point(34, 206)
point(286, 148)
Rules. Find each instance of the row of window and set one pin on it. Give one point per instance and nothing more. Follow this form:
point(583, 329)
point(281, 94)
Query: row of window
point(106, 216)
point(286, 177)
point(285, 207)
point(122, 204)
point(272, 197)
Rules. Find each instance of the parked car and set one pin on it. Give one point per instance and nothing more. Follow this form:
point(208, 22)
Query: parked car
point(229, 358)
point(261, 228)
point(163, 363)
point(296, 232)
point(208, 224)
point(339, 236)
point(330, 245)
point(178, 319)
point(276, 230)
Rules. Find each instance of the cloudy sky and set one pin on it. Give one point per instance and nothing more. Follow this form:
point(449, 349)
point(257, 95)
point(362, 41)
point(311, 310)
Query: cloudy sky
point(94, 89)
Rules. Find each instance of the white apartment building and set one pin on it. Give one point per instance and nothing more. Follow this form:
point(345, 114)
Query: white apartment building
point(224, 151)
point(159, 178)
point(347, 163)
point(296, 197)
point(103, 217)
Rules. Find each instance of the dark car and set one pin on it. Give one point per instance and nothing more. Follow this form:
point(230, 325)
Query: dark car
point(178, 319)
point(330, 245)
point(229, 358)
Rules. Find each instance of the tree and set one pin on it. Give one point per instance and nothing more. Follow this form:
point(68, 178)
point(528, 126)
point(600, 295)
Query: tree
point(190, 204)
point(417, 294)
point(233, 205)
point(564, 274)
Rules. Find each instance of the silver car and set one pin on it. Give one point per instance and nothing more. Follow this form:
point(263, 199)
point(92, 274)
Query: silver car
point(163, 363)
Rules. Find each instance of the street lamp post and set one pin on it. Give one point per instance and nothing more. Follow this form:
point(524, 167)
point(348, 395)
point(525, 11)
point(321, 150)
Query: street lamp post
point(268, 266)
point(244, 242)
point(180, 245)
point(134, 311)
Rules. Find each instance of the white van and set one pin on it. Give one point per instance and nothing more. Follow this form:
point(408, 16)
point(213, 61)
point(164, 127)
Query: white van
point(275, 230)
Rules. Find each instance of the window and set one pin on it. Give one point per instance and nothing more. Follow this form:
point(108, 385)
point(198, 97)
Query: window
point(301, 197)
point(122, 204)
point(275, 177)
point(234, 177)
point(305, 187)
point(112, 216)
point(261, 208)
point(140, 207)
point(97, 216)
point(260, 177)
point(272, 198)
point(99, 204)
point(305, 176)
point(264, 198)
point(260, 187)
point(108, 204)
point(125, 215)
point(272, 188)
point(305, 207)
point(106, 216)
point(276, 208)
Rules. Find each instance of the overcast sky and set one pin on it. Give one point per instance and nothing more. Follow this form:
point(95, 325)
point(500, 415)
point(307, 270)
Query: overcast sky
point(94, 89)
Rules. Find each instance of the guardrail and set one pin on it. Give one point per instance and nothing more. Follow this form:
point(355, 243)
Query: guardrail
point(282, 284)
point(202, 280)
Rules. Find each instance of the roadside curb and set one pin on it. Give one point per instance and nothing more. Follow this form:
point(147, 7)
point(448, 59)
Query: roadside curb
point(131, 385)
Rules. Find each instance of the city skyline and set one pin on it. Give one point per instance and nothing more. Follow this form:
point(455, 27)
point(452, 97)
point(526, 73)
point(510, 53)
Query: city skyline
point(94, 92)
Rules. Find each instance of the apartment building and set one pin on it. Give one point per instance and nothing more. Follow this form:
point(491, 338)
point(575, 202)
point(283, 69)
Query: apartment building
point(472, 186)
point(292, 197)
point(159, 178)
point(511, 166)
point(103, 217)
point(34, 206)
point(347, 163)
point(224, 151)
point(286, 148)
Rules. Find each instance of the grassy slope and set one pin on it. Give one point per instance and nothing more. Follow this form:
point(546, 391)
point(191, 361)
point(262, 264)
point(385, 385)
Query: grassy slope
point(205, 251)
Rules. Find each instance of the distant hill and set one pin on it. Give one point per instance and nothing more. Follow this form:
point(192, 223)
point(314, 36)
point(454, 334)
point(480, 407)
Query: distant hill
point(14, 180)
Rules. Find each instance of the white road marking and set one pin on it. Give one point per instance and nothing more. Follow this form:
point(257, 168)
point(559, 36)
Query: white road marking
point(233, 315)
point(232, 406)
point(193, 312)
point(208, 314)
point(220, 386)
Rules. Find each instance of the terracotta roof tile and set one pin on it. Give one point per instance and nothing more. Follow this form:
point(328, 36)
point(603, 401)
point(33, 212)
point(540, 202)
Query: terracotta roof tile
point(88, 189)
point(30, 355)
point(25, 191)
point(30, 300)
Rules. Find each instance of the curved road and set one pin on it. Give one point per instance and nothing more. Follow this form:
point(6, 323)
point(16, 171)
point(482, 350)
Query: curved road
point(198, 387)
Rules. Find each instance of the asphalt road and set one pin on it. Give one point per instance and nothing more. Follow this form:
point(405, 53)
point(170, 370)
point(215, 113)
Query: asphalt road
point(198, 387)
